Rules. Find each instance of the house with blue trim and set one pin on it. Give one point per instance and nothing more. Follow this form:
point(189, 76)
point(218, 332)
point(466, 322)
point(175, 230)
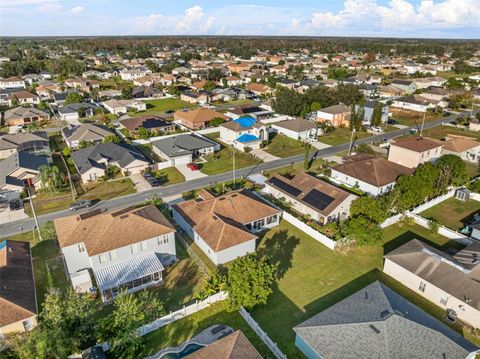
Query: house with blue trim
point(243, 133)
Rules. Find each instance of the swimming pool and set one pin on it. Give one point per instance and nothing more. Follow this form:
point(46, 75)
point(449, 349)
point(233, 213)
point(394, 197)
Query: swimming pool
point(189, 349)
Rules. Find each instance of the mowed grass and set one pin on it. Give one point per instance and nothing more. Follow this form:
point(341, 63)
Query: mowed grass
point(440, 132)
point(453, 213)
point(283, 146)
point(158, 107)
point(342, 135)
point(222, 161)
point(108, 190)
point(169, 176)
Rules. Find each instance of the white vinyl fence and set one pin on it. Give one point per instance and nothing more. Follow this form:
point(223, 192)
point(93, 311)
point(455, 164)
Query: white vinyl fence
point(434, 202)
point(329, 243)
point(261, 333)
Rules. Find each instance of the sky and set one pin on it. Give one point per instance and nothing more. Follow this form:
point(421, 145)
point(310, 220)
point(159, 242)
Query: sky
point(372, 18)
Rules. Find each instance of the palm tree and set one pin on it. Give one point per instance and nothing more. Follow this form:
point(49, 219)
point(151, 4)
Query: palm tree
point(50, 177)
point(34, 126)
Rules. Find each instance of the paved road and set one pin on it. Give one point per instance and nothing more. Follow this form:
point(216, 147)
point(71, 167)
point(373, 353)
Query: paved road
point(8, 229)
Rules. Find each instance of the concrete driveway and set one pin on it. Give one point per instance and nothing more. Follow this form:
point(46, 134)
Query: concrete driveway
point(188, 173)
point(140, 183)
point(263, 155)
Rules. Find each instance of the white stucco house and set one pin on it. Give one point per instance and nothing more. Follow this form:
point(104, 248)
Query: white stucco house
point(225, 227)
point(124, 250)
point(243, 133)
point(298, 129)
point(123, 106)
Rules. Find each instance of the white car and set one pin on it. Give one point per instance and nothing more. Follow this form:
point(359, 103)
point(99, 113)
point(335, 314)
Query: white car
point(377, 129)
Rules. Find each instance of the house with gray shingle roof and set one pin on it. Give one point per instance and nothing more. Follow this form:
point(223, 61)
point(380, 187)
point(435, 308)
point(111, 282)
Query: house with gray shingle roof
point(377, 322)
point(88, 132)
point(91, 162)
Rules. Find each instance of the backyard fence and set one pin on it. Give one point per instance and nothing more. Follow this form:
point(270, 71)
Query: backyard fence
point(434, 201)
point(391, 220)
point(201, 264)
point(329, 243)
point(261, 333)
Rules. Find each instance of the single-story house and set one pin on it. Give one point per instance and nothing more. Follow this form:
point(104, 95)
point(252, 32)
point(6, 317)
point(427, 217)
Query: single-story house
point(336, 115)
point(11, 83)
point(298, 129)
point(152, 123)
point(146, 91)
point(125, 249)
point(123, 106)
point(23, 116)
point(467, 148)
point(20, 170)
point(184, 148)
point(198, 118)
point(413, 151)
point(370, 174)
point(91, 162)
point(312, 196)
point(243, 133)
point(450, 282)
point(17, 288)
point(256, 112)
point(31, 142)
point(74, 111)
point(225, 227)
point(259, 89)
point(407, 86)
point(377, 322)
point(87, 132)
point(417, 103)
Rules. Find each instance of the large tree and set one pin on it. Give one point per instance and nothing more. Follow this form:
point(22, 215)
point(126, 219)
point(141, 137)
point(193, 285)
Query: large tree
point(369, 207)
point(73, 97)
point(452, 171)
point(50, 177)
point(362, 231)
point(377, 114)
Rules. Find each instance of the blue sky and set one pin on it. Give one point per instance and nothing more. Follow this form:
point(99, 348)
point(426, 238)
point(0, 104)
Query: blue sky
point(397, 18)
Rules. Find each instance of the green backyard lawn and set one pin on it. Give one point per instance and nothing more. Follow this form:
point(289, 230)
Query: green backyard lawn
point(283, 146)
point(341, 135)
point(158, 107)
point(222, 161)
point(453, 213)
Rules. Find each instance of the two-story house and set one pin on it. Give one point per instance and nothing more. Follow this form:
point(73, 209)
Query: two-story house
point(337, 115)
point(413, 151)
point(125, 250)
point(243, 133)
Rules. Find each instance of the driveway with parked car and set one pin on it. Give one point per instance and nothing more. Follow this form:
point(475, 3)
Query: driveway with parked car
point(190, 171)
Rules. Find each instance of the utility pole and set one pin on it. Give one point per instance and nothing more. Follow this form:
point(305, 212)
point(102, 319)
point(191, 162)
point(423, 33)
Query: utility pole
point(351, 142)
point(423, 123)
point(233, 169)
point(33, 211)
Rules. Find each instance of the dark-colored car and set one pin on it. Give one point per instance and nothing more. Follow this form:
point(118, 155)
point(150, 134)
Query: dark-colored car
point(391, 121)
point(84, 203)
point(153, 182)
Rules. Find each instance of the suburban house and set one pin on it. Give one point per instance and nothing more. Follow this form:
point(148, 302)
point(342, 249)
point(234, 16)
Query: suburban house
point(126, 249)
point(20, 170)
point(87, 132)
point(134, 73)
point(368, 109)
point(467, 148)
point(298, 129)
point(233, 81)
point(201, 98)
point(74, 111)
point(23, 97)
point(259, 89)
point(123, 106)
point(11, 83)
point(17, 288)
point(370, 174)
point(413, 151)
point(243, 133)
point(336, 115)
point(108, 94)
point(91, 162)
point(311, 196)
point(233, 346)
point(183, 149)
point(225, 227)
point(198, 118)
point(256, 112)
point(450, 282)
point(146, 91)
point(30, 142)
point(417, 103)
point(149, 122)
point(407, 86)
point(377, 322)
point(23, 116)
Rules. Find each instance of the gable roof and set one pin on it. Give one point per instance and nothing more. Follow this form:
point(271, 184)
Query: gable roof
point(377, 322)
point(221, 221)
point(373, 170)
point(311, 191)
point(417, 144)
point(233, 346)
point(297, 125)
point(103, 232)
point(199, 115)
point(24, 112)
point(17, 286)
point(182, 144)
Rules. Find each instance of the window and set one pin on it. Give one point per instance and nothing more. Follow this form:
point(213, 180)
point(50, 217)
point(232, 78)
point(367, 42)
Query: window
point(102, 258)
point(27, 324)
point(272, 219)
point(143, 245)
point(81, 247)
point(113, 254)
point(134, 248)
point(422, 286)
point(163, 239)
point(443, 300)
point(259, 224)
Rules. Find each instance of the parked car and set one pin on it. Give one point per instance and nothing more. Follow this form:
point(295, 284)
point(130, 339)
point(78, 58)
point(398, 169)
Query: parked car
point(391, 121)
point(84, 203)
point(193, 166)
point(16, 204)
point(169, 111)
point(153, 182)
point(377, 129)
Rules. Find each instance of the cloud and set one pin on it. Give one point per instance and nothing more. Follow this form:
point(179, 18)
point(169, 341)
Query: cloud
point(77, 9)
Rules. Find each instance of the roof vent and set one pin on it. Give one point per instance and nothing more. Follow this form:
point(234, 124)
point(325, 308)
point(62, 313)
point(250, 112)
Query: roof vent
point(374, 328)
point(384, 314)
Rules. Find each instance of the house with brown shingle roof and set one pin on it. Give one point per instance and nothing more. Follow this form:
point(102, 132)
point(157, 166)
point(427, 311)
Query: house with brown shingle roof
point(312, 196)
point(233, 346)
point(258, 89)
point(413, 151)
point(467, 148)
point(225, 227)
point(198, 118)
point(18, 301)
point(336, 115)
point(125, 249)
point(370, 174)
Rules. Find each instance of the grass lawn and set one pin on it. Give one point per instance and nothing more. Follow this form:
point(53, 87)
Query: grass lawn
point(46, 202)
point(441, 132)
point(110, 189)
point(452, 212)
point(473, 169)
point(158, 107)
point(168, 176)
point(178, 332)
point(222, 161)
point(312, 278)
point(213, 136)
point(410, 118)
point(342, 135)
point(283, 146)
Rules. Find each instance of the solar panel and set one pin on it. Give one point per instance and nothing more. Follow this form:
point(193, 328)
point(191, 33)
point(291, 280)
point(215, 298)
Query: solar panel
point(285, 186)
point(318, 199)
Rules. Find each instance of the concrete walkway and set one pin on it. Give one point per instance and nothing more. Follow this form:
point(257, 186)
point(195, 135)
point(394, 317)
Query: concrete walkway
point(140, 183)
point(189, 174)
point(263, 155)
point(319, 145)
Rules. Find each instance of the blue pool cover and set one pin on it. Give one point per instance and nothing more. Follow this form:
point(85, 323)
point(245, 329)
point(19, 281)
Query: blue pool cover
point(245, 121)
point(245, 138)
